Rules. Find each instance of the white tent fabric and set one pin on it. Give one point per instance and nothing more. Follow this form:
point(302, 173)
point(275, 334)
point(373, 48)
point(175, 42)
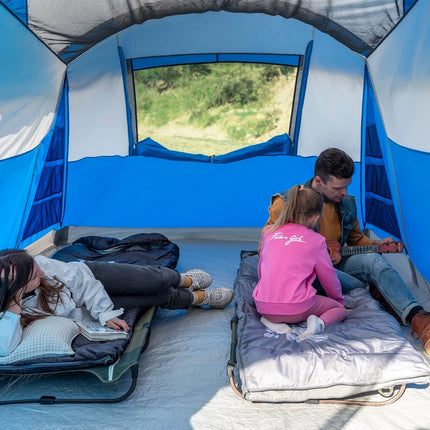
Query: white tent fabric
point(218, 32)
point(29, 88)
point(404, 93)
point(335, 91)
point(98, 122)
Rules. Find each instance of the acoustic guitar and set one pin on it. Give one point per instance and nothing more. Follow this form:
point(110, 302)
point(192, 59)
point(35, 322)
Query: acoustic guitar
point(336, 251)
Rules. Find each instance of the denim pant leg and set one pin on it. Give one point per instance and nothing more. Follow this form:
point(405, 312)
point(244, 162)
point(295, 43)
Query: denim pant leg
point(131, 285)
point(373, 268)
point(347, 283)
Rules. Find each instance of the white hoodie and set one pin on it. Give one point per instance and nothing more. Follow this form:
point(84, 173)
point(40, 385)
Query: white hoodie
point(83, 298)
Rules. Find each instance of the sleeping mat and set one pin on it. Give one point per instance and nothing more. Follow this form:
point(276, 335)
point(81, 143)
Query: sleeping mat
point(365, 353)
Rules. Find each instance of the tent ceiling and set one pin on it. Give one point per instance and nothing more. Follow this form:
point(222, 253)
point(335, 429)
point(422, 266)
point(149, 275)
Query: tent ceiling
point(71, 27)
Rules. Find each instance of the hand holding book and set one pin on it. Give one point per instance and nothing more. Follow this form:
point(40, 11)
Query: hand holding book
point(117, 323)
point(97, 332)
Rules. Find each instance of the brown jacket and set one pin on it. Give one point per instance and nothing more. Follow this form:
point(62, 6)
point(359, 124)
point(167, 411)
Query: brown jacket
point(330, 224)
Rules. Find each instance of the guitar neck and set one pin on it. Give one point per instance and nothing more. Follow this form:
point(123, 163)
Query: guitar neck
point(352, 250)
point(334, 248)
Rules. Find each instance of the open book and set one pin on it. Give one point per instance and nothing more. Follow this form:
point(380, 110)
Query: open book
point(94, 331)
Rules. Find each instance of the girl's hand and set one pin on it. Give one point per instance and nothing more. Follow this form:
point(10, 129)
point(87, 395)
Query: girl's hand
point(117, 324)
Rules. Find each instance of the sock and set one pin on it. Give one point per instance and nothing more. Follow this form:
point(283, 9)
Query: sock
point(198, 297)
point(181, 280)
point(412, 313)
point(281, 328)
point(315, 325)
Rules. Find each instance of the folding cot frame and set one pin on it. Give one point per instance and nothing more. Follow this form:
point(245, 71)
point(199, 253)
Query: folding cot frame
point(107, 374)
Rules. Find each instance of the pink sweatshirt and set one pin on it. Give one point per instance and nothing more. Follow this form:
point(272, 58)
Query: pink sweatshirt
point(290, 259)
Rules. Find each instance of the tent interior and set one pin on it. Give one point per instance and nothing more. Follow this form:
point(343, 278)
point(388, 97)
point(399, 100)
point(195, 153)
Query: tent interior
point(68, 139)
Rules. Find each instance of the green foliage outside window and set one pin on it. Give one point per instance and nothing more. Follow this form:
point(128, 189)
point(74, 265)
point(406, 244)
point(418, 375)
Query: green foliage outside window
point(213, 108)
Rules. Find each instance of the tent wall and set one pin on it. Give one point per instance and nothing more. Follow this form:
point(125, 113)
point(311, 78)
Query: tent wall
point(31, 80)
point(334, 97)
point(157, 193)
point(98, 119)
point(400, 70)
point(141, 191)
point(108, 187)
point(96, 75)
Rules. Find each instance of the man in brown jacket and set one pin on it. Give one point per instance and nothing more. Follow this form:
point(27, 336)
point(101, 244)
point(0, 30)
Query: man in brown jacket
point(339, 224)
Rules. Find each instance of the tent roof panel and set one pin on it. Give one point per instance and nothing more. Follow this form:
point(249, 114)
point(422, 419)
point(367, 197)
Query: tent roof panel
point(70, 28)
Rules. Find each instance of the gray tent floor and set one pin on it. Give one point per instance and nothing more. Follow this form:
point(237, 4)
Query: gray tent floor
point(183, 382)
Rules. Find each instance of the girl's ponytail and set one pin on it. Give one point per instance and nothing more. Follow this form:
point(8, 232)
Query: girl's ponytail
point(302, 204)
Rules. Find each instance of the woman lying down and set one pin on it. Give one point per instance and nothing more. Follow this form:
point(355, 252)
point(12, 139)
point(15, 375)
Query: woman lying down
point(33, 288)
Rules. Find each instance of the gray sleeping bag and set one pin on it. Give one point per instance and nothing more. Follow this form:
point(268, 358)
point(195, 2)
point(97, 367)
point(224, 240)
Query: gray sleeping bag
point(366, 352)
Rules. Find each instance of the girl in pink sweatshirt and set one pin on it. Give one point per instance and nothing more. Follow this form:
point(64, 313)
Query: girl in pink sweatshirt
point(292, 255)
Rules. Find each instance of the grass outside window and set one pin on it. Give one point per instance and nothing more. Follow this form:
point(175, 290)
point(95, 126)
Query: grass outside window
point(215, 108)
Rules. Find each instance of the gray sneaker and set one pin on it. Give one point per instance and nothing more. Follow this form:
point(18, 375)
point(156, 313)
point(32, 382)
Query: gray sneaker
point(217, 298)
point(200, 279)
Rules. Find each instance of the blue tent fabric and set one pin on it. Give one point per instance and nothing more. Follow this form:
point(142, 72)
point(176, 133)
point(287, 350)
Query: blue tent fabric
point(379, 204)
point(150, 148)
point(305, 65)
point(277, 145)
point(18, 8)
point(47, 208)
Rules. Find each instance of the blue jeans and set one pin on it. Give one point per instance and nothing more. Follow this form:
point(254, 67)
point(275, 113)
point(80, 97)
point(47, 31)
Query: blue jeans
point(356, 271)
point(131, 285)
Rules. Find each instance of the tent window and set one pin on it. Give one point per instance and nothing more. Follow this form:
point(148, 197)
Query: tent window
point(213, 104)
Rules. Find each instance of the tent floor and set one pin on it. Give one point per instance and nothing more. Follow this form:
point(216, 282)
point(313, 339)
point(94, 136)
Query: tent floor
point(182, 379)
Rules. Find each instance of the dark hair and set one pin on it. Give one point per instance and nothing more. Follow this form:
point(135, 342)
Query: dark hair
point(21, 265)
point(334, 162)
point(302, 204)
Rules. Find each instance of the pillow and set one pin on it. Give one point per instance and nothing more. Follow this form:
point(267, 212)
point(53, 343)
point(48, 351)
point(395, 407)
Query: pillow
point(47, 337)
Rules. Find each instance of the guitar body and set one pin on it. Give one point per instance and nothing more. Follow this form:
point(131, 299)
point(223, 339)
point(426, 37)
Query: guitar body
point(336, 251)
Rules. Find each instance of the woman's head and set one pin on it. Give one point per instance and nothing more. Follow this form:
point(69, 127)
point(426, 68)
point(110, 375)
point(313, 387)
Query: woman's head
point(18, 271)
point(303, 206)
point(21, 275)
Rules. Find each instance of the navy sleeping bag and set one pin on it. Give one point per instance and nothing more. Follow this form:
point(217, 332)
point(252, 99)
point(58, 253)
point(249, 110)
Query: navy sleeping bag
point(144, 249)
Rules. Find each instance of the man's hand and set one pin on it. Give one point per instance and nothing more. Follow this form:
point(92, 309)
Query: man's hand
point(384, 241)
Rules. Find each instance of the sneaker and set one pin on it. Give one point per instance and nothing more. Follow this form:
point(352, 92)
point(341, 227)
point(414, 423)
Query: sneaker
point(421, 329)
point(217, 298)
point(200, 279)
